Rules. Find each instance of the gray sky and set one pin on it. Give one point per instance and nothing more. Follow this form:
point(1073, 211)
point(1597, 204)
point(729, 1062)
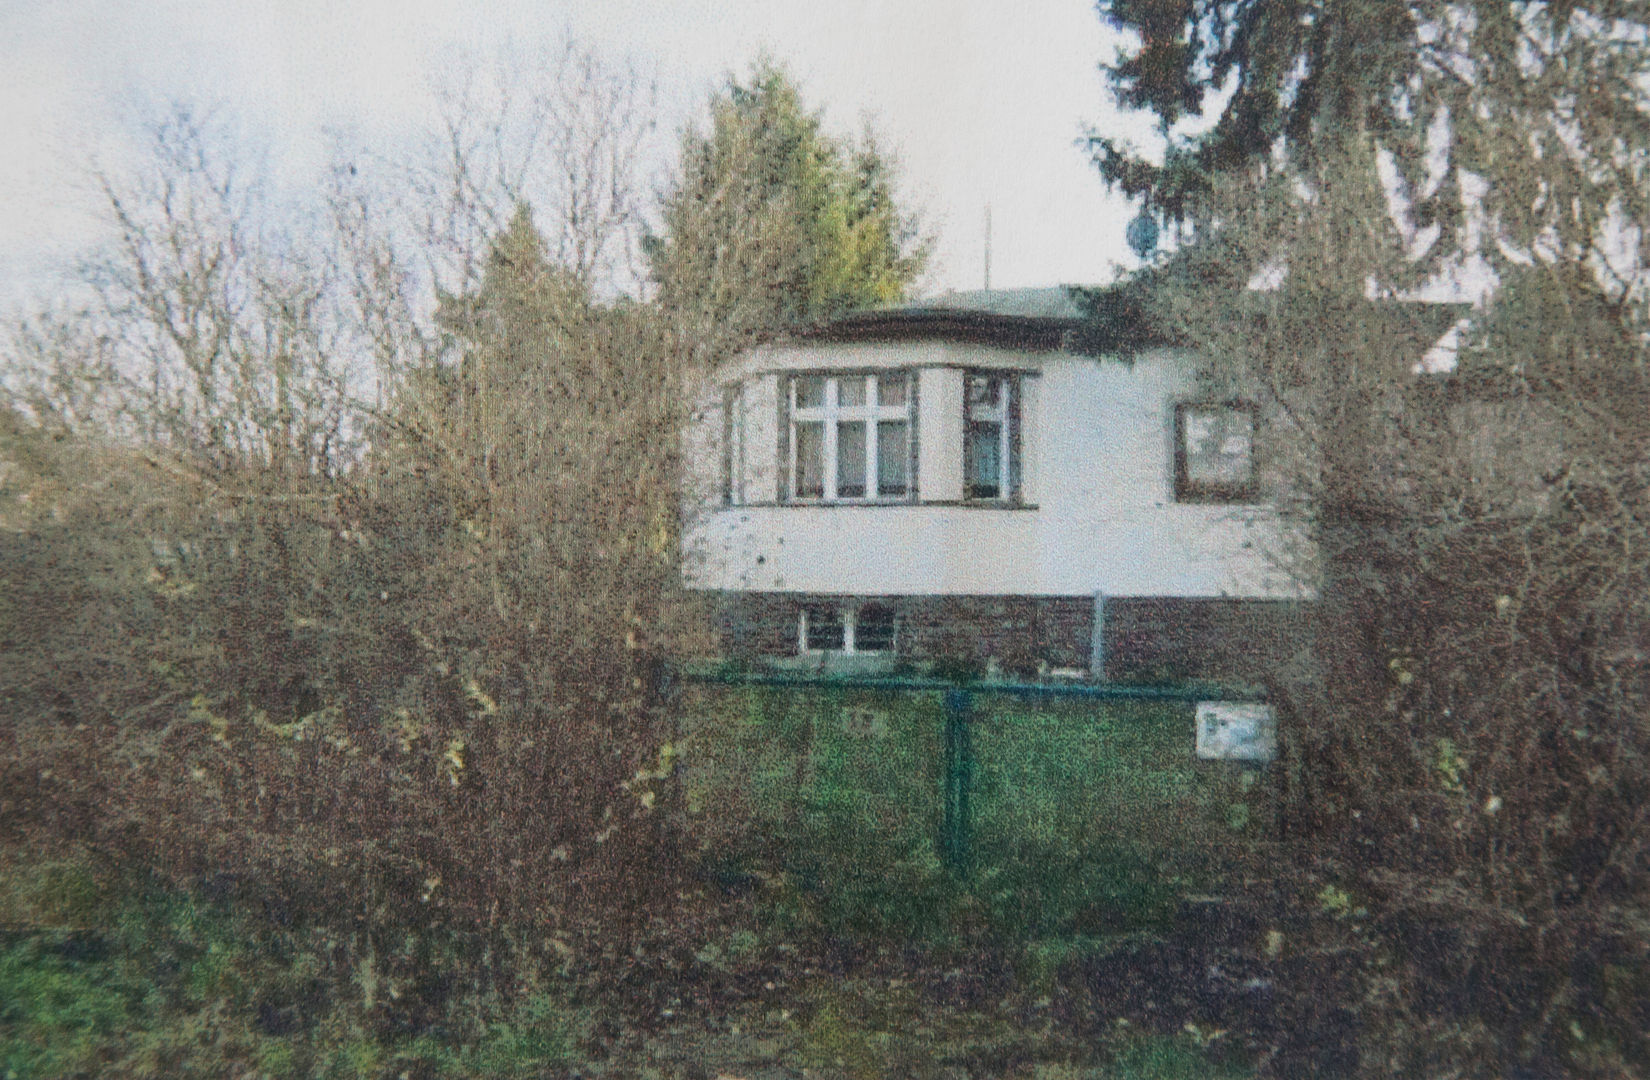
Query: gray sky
point(981, 99)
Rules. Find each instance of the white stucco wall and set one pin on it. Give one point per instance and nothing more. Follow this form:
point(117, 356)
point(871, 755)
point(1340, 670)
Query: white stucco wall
point(1097, 460)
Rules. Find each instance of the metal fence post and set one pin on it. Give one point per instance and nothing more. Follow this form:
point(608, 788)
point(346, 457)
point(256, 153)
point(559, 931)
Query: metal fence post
point(959, 777)
point(1097, 640)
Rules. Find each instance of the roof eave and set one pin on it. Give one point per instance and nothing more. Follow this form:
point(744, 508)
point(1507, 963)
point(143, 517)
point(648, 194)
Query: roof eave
point(908, 324)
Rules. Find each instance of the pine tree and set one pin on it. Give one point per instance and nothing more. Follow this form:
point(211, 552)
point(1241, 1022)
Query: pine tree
point(772, 221)
point(1469, 747)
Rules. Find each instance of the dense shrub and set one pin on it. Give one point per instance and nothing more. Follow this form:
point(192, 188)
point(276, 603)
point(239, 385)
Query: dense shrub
point(419, 685)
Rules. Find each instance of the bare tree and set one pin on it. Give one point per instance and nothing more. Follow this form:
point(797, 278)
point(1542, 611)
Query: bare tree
point(210, 332)
point(557, 128)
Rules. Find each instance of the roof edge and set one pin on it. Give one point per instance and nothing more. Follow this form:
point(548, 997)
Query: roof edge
point(905, 324)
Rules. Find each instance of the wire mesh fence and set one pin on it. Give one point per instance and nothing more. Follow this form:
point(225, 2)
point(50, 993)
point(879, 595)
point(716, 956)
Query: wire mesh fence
point(913, 808)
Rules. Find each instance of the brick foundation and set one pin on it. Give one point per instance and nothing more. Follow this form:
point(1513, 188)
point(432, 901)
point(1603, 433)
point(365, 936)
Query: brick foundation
point(1146, 639)
point(1174, 637)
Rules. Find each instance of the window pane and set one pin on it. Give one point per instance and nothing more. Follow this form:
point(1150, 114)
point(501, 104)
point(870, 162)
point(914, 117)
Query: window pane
point(810, 459)
point(1015, 432)
point(893, 457)
point(874, 629)
point(850, 460)
point(824, 628)
point(1218, 446)
point(983, 391)
point(810, 392)
point(891, 389)
point(982, 460)
point(850, 391)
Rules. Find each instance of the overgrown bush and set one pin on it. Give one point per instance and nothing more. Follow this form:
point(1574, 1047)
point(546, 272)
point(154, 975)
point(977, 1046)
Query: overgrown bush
point(339, 543)
point(386, 645)
point(1469, 756)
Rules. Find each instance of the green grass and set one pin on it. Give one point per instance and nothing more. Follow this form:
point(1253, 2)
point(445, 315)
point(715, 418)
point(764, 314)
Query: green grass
point(1156, 1057)
point(99, 980)
point(106, 978)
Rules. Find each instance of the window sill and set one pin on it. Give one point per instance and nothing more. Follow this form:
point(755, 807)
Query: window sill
point(836, 662)
point(989, 504)
point(803, 504)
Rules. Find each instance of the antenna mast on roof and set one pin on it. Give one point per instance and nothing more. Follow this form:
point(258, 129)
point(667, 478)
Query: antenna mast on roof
point(988, 245)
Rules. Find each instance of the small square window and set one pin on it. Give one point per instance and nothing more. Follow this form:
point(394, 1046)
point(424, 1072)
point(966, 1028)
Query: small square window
point(1214, 453)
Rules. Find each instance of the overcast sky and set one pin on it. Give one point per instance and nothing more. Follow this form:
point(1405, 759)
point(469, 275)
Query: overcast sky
point(983, 100)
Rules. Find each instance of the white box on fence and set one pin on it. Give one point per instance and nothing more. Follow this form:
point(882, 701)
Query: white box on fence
point(1236, 731)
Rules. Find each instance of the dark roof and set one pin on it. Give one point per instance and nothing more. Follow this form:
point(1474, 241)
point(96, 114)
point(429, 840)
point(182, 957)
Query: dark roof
point(1038, 318)
point(1085, 319)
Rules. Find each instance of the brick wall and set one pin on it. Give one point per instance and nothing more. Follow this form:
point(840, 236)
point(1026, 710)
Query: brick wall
point(1147, 638)
point(1158, 637)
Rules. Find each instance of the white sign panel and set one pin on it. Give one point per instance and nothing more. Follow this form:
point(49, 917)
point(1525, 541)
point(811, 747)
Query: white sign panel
point(1236, 731)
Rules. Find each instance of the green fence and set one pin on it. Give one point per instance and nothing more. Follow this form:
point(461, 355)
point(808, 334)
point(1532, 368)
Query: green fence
point(917, 808)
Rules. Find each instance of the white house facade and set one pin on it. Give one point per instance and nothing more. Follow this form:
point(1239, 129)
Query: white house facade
point(952, 481)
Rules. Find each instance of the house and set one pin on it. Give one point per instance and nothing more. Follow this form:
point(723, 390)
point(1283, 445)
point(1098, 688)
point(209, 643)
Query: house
point(952, 482)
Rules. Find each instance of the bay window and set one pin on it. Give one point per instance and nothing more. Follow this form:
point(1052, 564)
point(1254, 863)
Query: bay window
point(850, 436)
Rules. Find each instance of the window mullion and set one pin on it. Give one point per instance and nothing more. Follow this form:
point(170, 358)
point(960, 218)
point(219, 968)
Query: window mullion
point(790, 483)
point(873, 392)
point(830, 440)
point(1005, 445)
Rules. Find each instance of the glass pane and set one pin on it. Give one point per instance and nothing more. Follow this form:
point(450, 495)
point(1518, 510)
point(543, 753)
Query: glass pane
point(810, 459)
point(891, 389)
point(874, 629)
point(851, 391)
point(982, 460)
point(850, 460)
point(824, 628)
point(983, 391)
point(1218, 445)
point(810, 392)
point(893, 457)
point(1013, 490)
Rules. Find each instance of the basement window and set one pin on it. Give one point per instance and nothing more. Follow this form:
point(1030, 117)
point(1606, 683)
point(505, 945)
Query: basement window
point(823, 629)
point(1214, 452)
point(874, 628)
point(867, 628)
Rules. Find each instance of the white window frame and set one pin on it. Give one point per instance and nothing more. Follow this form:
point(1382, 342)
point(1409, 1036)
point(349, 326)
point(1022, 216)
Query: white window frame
point(1007, 415)
point(1190, 490)
point(850, 625)
point(832, 414)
